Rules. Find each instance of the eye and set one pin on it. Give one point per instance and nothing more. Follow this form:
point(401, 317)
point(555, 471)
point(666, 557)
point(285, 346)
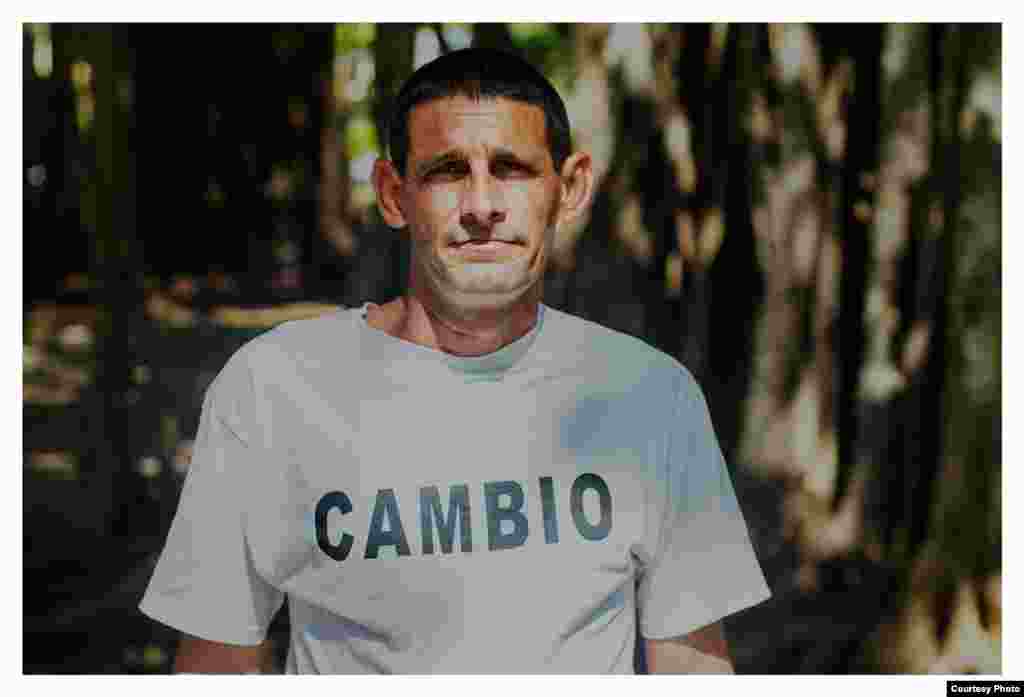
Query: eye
point(510, 168)
point(446, 171)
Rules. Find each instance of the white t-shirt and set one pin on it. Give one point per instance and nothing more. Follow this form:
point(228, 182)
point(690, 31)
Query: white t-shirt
point(425, 513)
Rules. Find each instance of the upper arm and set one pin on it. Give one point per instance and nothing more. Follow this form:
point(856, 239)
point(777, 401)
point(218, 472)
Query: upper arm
point(206, 581)
point(700, 565)
point(702, 651)
point(197, 655)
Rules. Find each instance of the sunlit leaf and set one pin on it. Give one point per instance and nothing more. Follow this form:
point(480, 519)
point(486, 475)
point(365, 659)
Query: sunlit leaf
point(348, 37)
point(525, 32)
point(360, 137)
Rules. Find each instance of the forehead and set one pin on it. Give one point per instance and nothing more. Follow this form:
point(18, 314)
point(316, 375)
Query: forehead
point(466, 123)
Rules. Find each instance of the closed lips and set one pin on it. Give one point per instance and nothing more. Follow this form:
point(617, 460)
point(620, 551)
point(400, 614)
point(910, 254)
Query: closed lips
point(481, 242)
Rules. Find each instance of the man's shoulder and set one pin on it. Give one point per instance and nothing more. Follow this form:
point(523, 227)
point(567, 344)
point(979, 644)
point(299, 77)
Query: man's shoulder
point(328, 326)
point(606, 349)
point(326, 336)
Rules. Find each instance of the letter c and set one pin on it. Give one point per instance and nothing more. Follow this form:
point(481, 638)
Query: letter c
point(334, 499)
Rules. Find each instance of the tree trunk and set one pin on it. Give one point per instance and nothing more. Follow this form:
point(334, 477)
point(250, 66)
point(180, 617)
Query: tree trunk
point(946, 534)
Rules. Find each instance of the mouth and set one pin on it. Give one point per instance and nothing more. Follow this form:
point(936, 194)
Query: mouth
point(484, 244)
point(482, 251)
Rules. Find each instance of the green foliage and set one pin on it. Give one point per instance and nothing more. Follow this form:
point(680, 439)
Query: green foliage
point(348, 37)
point(361, 136)
point(533, 34)
point(547, 46)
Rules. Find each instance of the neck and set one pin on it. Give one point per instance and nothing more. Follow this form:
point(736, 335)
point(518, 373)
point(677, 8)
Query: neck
point(418, 320)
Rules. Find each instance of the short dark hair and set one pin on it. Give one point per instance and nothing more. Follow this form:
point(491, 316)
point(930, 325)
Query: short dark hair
point(479, 73)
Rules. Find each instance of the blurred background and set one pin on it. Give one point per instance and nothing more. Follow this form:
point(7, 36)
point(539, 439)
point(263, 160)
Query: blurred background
point(807, 216)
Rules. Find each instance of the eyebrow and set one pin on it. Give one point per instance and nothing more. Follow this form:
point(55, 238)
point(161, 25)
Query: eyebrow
point(455, 155)
point(458, 155)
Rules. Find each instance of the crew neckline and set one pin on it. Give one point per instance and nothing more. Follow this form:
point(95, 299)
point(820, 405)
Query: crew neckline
point(493, 365)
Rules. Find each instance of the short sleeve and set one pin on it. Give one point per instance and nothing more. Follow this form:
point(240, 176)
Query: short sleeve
point(703, 567)
point(204, 582)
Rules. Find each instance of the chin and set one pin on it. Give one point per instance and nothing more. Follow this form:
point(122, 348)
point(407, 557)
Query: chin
point(488, 278)
point(471, 288)
point(476, 294)
point(498, 277)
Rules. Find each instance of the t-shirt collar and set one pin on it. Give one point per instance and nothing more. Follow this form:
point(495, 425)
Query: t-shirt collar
point(488, 365)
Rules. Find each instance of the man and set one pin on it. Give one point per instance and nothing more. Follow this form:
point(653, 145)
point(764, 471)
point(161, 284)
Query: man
point(460, 480)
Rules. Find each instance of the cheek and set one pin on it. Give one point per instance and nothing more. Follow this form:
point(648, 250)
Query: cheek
point(536, 207)
point(434, 213)
point(545, 211)
point(445, 202)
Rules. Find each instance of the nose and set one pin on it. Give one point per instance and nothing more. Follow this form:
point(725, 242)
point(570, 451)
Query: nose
point(483, 205)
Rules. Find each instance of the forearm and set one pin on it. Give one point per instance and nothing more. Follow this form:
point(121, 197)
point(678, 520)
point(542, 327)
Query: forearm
point(675, 658)
point(702, 651)
point(197, 655)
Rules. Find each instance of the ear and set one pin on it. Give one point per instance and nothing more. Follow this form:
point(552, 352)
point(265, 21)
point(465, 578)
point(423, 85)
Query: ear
point(577, 186)
point(387, 182)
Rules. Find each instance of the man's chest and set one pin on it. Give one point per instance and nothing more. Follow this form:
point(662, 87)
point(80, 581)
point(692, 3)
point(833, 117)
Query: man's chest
point(403, 479)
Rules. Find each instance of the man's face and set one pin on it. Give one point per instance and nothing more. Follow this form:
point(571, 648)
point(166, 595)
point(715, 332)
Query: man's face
point(480, 197)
